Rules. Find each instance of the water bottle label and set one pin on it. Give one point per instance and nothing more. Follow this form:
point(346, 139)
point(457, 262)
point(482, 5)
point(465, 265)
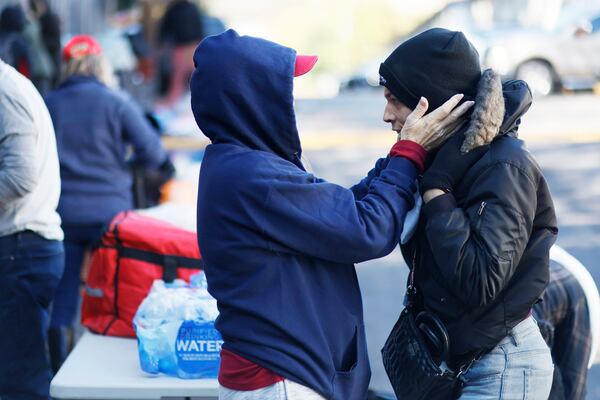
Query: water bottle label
point(198, 347)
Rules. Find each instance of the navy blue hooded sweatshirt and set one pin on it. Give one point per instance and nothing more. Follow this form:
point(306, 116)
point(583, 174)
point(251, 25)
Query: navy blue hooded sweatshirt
point(279, 244)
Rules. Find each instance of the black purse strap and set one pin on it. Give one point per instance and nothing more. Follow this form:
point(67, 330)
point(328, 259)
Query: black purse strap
point(429, 324)
point(410, 302)
point(411, 290)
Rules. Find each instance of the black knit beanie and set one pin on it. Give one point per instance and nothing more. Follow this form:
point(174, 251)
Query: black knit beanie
point(435, 64)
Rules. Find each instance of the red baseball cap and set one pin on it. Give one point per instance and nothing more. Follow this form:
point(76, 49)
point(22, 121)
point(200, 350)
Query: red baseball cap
point(81, 46)
point(304, 64)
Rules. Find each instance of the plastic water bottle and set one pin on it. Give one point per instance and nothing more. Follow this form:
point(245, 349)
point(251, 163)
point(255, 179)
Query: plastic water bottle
point(175, 330)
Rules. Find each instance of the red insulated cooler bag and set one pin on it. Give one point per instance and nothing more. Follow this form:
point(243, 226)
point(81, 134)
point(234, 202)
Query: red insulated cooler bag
point(134, 252)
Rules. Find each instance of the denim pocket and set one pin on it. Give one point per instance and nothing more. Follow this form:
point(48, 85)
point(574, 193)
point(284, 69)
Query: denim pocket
point(537, 384)
point(488, 368)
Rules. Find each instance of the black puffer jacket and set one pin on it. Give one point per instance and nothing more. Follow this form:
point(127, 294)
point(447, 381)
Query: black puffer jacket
point(481, 253)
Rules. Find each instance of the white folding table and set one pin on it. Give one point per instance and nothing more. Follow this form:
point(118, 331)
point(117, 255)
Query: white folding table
point(103, 367)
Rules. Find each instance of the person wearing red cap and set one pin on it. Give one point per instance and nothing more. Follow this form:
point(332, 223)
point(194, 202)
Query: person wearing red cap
point(95, 126)
point(279, 244)
point(82, 56)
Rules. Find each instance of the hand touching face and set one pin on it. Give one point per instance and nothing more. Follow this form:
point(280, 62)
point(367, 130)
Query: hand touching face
point(431, 130)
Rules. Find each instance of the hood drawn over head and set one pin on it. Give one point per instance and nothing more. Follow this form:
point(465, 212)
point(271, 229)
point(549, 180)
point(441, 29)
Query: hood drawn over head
point(242, 93)
point(517, 100)
point(498, 109)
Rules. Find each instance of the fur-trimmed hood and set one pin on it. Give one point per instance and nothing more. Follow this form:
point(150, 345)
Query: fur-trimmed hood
point(498, 109)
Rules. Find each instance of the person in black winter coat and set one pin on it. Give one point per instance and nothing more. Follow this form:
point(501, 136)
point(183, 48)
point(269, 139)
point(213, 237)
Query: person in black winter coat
point(479, 252)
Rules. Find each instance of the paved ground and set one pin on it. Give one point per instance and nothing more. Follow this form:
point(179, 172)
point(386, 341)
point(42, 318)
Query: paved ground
point(343, 137)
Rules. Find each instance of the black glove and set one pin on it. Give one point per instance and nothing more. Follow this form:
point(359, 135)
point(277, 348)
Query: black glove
point(450, 165)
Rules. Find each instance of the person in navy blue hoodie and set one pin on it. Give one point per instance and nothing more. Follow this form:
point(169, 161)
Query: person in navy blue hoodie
point(279, 244)
point(95, 126)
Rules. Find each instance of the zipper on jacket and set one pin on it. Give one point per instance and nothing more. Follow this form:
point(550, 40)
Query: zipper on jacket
point(481, 208)
point(479, 215)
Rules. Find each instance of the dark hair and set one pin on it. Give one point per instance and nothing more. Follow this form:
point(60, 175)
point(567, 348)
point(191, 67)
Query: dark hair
point(12, 19)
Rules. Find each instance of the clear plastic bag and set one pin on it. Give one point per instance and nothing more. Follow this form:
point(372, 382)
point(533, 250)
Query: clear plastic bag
point(175, 330)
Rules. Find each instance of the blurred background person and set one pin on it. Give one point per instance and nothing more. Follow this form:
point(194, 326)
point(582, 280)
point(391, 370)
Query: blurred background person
point(49, 23)
point(31, 248)
point(42, 69)
point(95, 127)
point(180, 31)
point(14, 49)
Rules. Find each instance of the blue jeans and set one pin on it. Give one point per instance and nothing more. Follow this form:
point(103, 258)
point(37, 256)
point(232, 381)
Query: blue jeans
point(519, 367)
point(30, 268)
point(78, 239)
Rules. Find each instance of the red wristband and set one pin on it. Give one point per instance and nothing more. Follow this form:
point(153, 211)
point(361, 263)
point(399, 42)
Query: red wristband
point(411, 151)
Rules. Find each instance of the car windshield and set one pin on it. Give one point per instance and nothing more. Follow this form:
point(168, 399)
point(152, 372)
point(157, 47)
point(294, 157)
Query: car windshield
point(573, 17)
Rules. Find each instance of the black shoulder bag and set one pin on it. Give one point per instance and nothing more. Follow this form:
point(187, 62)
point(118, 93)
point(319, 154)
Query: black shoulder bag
point(413, 355)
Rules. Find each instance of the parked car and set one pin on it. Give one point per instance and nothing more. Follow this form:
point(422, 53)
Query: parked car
point(567, 56)
point(455, 16)
point(564, 56)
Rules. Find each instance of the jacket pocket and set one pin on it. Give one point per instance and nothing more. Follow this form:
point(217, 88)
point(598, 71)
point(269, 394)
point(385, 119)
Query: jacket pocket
point(352, 382)
point(501, 228)
point(349, 358)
